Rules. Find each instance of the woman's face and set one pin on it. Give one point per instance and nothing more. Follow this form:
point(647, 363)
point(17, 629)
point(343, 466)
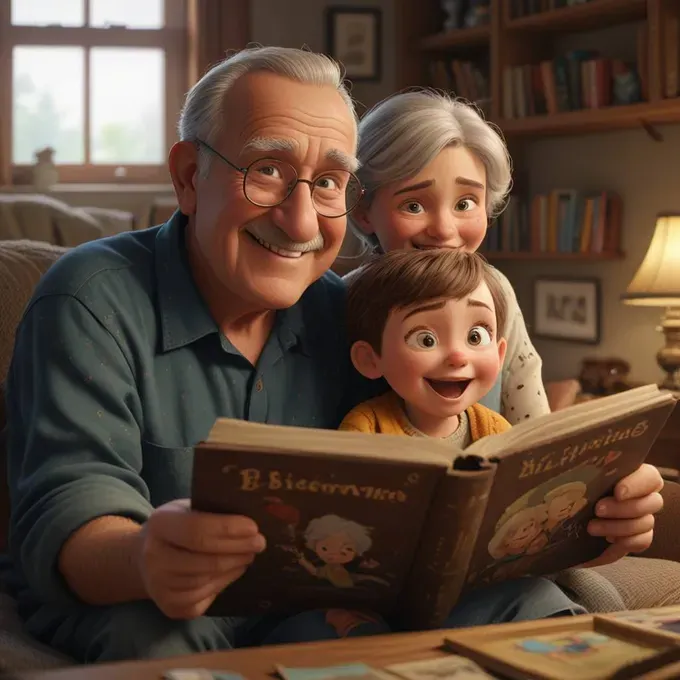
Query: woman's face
point(443, 206)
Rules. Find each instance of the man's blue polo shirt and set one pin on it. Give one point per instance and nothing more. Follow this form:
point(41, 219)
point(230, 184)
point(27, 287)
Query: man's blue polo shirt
point(119, 370)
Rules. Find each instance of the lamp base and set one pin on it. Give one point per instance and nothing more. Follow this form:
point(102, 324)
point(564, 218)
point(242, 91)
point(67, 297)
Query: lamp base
point(668, 357)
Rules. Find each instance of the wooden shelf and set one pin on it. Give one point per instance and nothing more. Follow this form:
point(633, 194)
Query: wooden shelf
point(536, 257)
point(595, 120)
point(508, 43)
point(591, 15)
point(461, 37)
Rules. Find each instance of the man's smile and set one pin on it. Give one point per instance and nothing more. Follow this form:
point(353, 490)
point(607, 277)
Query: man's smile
point(277, 250)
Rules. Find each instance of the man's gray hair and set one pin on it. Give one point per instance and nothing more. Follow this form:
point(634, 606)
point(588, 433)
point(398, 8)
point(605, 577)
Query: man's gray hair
point(203, 111)
point(402, 134)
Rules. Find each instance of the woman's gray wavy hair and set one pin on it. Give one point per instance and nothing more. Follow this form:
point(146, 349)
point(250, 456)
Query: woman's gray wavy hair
point(402, 134)
point(202, 115)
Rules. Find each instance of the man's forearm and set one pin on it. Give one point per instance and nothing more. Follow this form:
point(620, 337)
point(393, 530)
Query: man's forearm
point(100, 562)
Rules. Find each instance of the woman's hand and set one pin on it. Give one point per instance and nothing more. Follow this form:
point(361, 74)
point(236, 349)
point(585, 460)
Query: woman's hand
point(626, 519)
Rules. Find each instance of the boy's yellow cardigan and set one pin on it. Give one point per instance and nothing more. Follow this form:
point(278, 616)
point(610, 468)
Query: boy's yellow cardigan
point(385, 415)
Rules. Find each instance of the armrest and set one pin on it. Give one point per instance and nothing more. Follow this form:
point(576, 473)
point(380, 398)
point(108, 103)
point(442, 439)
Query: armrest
point(562, 393)
point(666, 544)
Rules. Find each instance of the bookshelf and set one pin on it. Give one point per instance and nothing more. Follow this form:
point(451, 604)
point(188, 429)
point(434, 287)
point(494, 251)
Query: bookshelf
point(514, 42)
point(517, 46)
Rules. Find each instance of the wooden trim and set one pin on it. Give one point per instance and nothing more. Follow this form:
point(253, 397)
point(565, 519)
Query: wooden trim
point(413, 20)
point(595, 120)
point(99, 174)
point(478, 36)
point(581, 17)
point(87, 105)
point(93, 37)
point(5, 102)
point(496, 59)
point(172, 39)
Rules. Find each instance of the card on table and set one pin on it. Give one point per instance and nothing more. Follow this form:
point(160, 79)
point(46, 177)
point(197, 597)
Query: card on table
point(441, 668)
point(352, 671)
point(200, 674)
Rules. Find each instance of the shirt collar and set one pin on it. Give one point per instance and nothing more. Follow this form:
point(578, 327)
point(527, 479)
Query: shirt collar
point(184, 315)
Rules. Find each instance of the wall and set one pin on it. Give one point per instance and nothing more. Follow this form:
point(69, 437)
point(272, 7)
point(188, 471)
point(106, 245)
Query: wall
point(299, 23)
point(647, 175)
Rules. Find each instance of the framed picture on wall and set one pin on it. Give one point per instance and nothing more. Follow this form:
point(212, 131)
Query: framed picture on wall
point(353, 36)
point(567, 309)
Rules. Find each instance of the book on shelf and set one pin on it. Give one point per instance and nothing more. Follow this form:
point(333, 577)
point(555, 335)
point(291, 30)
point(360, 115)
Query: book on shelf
point(466, 79)
point(561, 221)
point(580, 79)
point(524, 8)
point(671, 55)
point(403, 526)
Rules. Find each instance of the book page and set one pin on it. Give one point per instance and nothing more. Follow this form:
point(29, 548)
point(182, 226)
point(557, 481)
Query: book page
point(573, 419)
point(241, 435)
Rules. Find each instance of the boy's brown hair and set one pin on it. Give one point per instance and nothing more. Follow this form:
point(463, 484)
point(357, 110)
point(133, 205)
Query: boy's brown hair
point(402, 278)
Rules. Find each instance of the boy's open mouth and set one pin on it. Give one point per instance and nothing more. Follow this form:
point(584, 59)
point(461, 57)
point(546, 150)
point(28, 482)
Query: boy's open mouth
point(449, 389)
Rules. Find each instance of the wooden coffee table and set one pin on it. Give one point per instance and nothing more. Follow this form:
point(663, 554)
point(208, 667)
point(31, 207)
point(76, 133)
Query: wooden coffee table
point(259, 663)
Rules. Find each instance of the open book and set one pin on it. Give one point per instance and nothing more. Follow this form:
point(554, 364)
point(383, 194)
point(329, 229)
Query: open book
point(404, 526)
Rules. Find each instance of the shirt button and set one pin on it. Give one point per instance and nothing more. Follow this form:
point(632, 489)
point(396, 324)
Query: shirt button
point(259, 385)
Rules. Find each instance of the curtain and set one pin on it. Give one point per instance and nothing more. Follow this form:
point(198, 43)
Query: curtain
point(215, 28)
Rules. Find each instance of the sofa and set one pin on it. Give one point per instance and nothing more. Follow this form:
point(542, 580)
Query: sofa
point(631, 583)
point(37, 217)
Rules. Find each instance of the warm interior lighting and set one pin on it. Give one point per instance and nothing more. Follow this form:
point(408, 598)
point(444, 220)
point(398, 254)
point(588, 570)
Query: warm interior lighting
point(657, 284)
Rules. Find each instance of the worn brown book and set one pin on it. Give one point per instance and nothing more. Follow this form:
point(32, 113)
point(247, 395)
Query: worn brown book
point(403, 525)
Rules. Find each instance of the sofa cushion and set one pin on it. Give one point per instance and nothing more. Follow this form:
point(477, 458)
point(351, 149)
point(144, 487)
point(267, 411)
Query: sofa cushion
point(22, 263)
point(18, 651)
point(37, 217)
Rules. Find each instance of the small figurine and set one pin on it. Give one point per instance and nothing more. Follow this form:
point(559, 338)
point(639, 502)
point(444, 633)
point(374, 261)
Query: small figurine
point(45, 173)
point(454, 14)
point(477, 13)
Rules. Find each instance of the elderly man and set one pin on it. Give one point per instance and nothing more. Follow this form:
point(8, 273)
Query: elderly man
point(132, 346)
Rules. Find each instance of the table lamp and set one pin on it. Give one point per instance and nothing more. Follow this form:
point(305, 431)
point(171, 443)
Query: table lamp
point(657, 284)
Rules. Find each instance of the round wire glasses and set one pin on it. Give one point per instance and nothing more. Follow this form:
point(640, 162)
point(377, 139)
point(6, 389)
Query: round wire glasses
point(268, 182)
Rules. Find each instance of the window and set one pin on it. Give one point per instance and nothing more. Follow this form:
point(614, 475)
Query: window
point(99, 81)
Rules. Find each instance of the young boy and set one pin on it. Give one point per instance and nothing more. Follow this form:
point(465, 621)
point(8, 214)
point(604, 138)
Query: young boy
point(431, 323)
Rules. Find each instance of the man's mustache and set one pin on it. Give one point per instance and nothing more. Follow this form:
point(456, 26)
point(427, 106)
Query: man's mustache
point(276, 237)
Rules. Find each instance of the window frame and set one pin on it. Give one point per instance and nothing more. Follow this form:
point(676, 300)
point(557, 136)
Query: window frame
point(172, 38)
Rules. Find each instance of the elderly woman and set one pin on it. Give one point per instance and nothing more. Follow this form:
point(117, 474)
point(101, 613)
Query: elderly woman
point(435, 174)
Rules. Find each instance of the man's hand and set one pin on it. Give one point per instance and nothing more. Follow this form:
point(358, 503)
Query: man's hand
point(626, 519)
point(188, 557)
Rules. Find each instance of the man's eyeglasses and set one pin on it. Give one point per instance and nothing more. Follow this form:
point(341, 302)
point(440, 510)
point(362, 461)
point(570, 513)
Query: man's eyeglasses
point(267, 182)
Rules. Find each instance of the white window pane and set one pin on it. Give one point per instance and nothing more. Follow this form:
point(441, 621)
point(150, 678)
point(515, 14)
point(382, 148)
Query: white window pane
point(44, 12)
point(48, 86)
point(130, 13)
point(127, 107)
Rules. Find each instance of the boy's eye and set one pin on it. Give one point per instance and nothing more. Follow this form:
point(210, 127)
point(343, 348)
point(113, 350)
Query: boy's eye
point(479, 336)
point(422, 340)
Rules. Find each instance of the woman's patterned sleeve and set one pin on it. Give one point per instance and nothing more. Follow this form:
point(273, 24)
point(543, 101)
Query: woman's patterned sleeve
point(523, 395)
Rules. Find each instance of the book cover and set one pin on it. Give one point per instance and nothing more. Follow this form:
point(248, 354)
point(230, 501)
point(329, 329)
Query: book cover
point(388, 524)
point(340, 531)
point(542, 499)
